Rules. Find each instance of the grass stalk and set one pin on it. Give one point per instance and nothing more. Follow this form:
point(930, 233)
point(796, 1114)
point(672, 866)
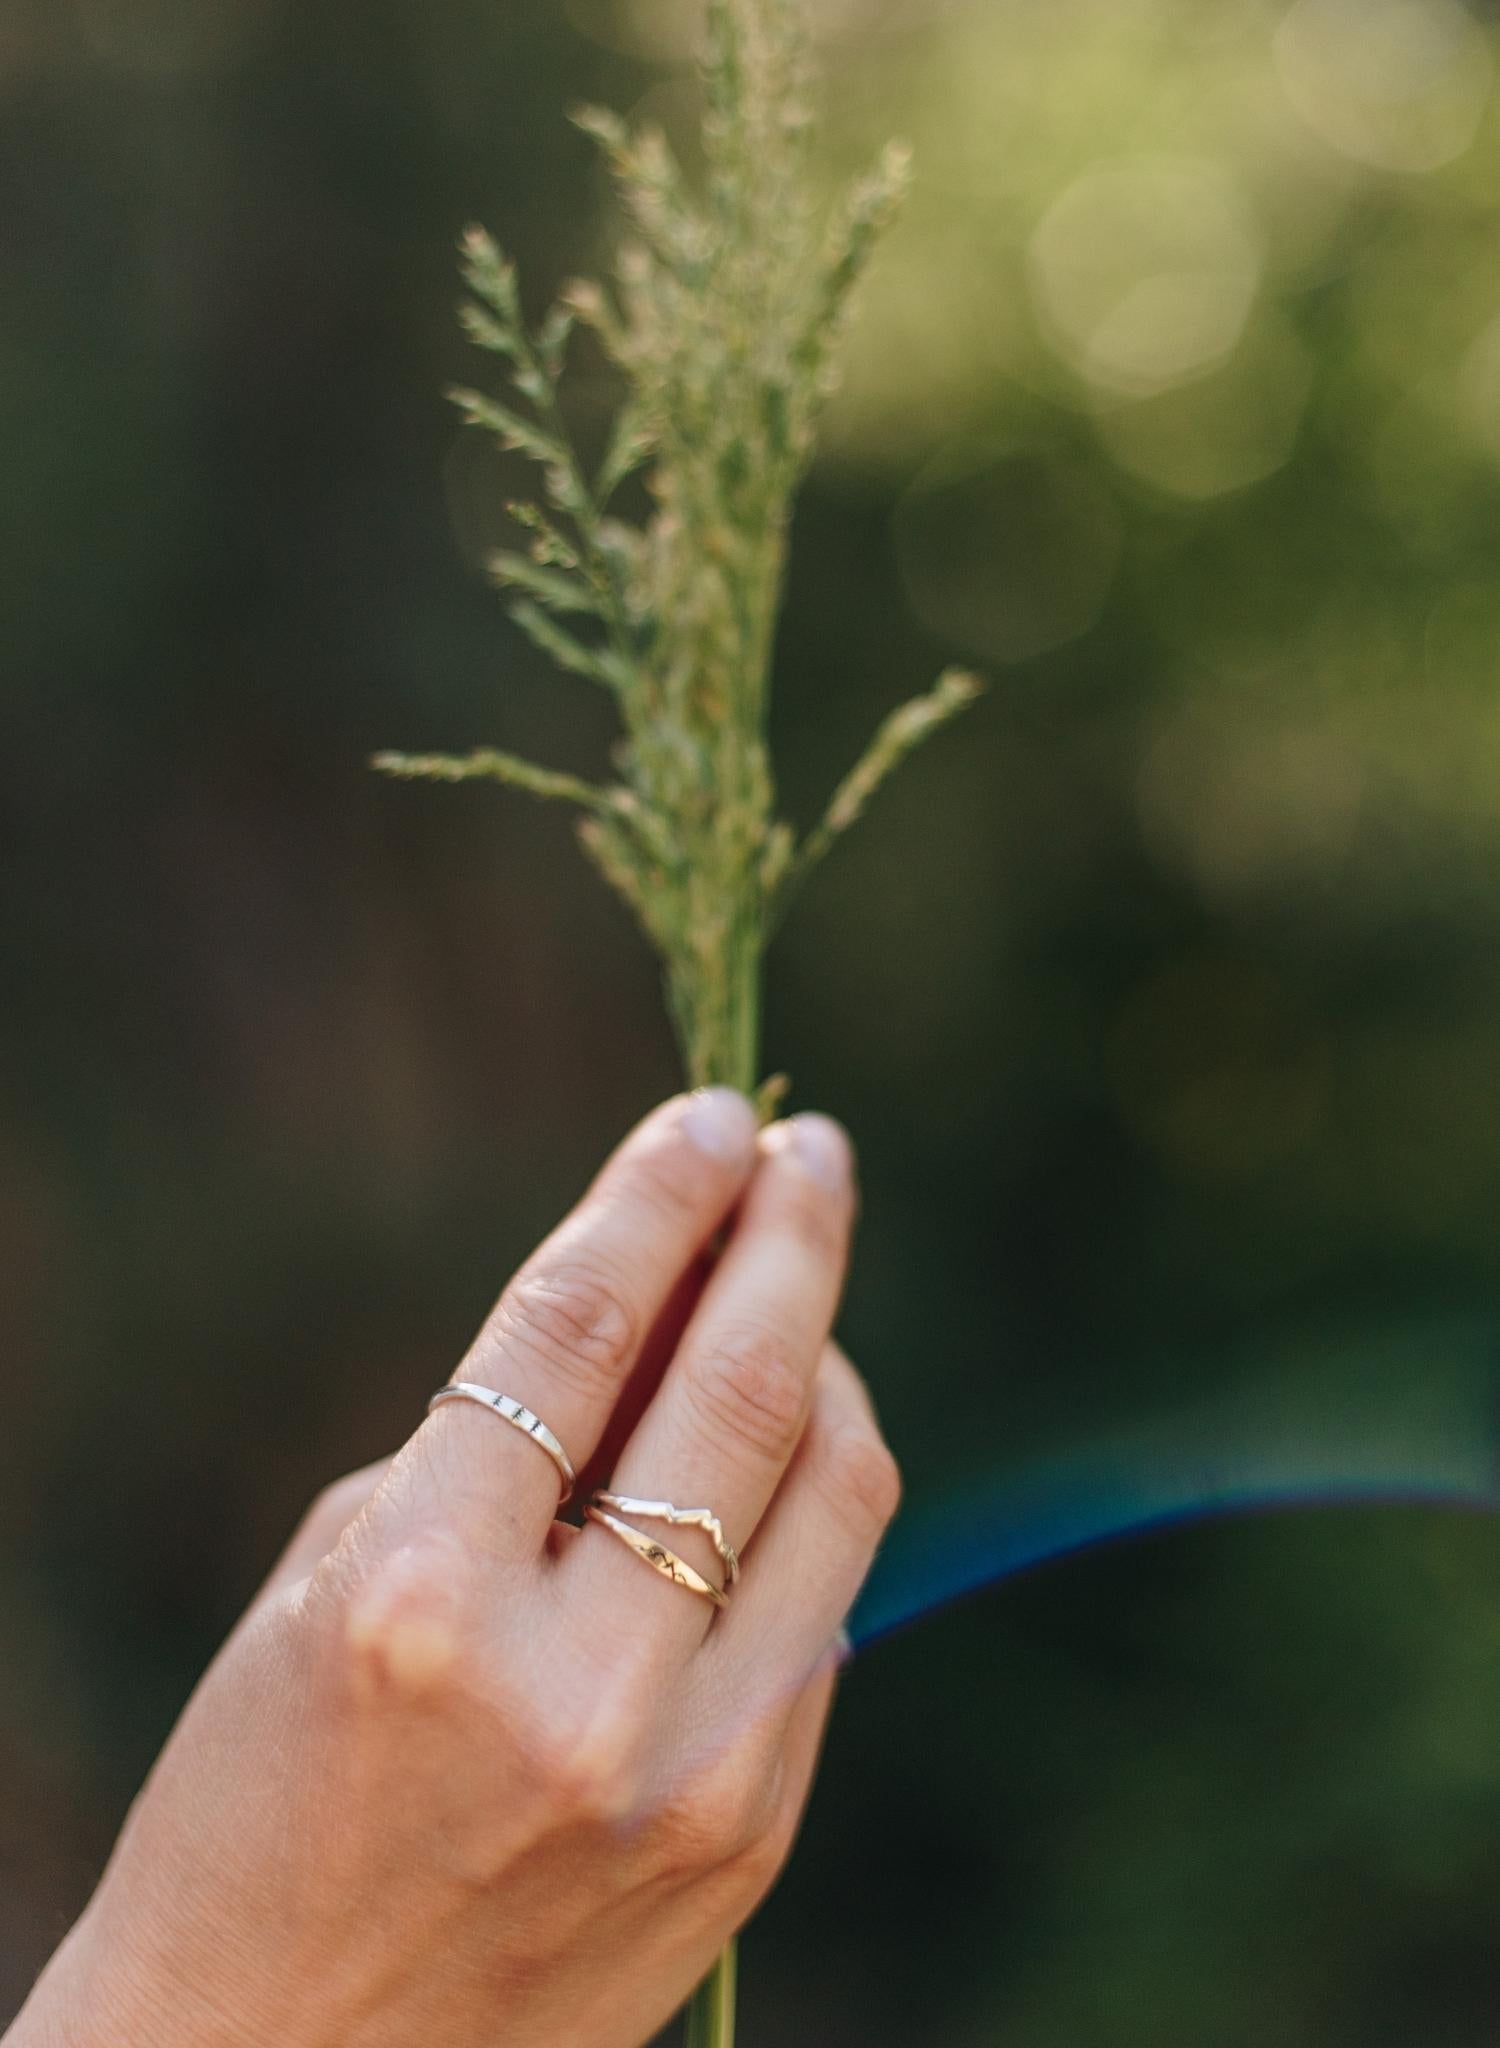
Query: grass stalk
point(710, 2017)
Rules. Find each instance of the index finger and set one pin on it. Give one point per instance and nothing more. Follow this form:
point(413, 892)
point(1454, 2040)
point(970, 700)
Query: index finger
point(568, 1329)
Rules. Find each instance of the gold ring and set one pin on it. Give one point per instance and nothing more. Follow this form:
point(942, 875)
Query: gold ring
point(680, 1518)
point(665, 1561)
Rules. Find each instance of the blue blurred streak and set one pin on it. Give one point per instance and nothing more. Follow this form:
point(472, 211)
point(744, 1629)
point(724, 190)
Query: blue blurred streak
point(1409, 1420)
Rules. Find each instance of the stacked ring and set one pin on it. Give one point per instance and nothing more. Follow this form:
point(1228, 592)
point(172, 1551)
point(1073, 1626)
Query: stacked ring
point(662, 1560)
point(680, 1518)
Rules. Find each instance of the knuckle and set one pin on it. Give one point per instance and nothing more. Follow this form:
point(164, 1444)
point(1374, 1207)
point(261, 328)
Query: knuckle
point(723, 1818)
point(584, 1774)
point(336, 1505)
point(860, 1475)
point(750, 1389)
point(765, 1856)
point(574, 1317)
point(762, 1855)
point(402, 1631)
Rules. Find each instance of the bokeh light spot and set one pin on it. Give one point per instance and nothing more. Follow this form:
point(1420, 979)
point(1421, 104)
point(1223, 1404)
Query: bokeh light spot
point(1401, 84)
point(1010, 552)
point(1223, 432)
point(1240, 807)
point(1145, 271)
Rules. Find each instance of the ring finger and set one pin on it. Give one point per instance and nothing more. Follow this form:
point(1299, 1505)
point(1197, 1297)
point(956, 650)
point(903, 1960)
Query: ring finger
point(565, 1334)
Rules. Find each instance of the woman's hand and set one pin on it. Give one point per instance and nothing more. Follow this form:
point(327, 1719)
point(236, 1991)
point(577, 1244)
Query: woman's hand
point(465, 1776)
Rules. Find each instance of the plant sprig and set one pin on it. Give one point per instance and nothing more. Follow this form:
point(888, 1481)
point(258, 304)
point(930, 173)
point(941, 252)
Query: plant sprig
point(723, 322)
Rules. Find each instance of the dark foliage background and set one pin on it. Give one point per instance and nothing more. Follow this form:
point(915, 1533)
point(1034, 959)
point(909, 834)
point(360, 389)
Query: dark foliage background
point(1162, 994)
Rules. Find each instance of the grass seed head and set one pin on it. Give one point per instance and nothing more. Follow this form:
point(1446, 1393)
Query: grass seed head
point(722, 321)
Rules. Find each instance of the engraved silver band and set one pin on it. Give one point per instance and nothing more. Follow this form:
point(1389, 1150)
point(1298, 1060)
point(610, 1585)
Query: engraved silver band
point(519, 1417)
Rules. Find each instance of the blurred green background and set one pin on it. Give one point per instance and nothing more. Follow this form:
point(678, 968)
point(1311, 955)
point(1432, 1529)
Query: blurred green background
point(1163, 993)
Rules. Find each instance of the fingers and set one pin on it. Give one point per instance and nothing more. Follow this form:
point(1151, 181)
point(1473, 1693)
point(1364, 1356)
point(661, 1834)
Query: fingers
point(814, 1549)
point(567, 1331)
point(730, 1410)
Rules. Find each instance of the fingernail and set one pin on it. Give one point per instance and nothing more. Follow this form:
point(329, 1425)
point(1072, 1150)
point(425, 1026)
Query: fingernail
point(843, 1647)
point(823, 1147)
point(721, 1122)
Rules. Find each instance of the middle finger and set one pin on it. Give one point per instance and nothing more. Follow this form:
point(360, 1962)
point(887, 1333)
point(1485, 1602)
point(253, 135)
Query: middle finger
point(722, 1428)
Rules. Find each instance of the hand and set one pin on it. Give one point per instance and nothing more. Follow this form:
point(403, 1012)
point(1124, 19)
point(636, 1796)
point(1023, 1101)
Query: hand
point(465, 1775)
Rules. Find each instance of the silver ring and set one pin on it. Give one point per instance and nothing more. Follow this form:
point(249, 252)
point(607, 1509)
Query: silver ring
point(519, 1417)
point(680, 1518)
